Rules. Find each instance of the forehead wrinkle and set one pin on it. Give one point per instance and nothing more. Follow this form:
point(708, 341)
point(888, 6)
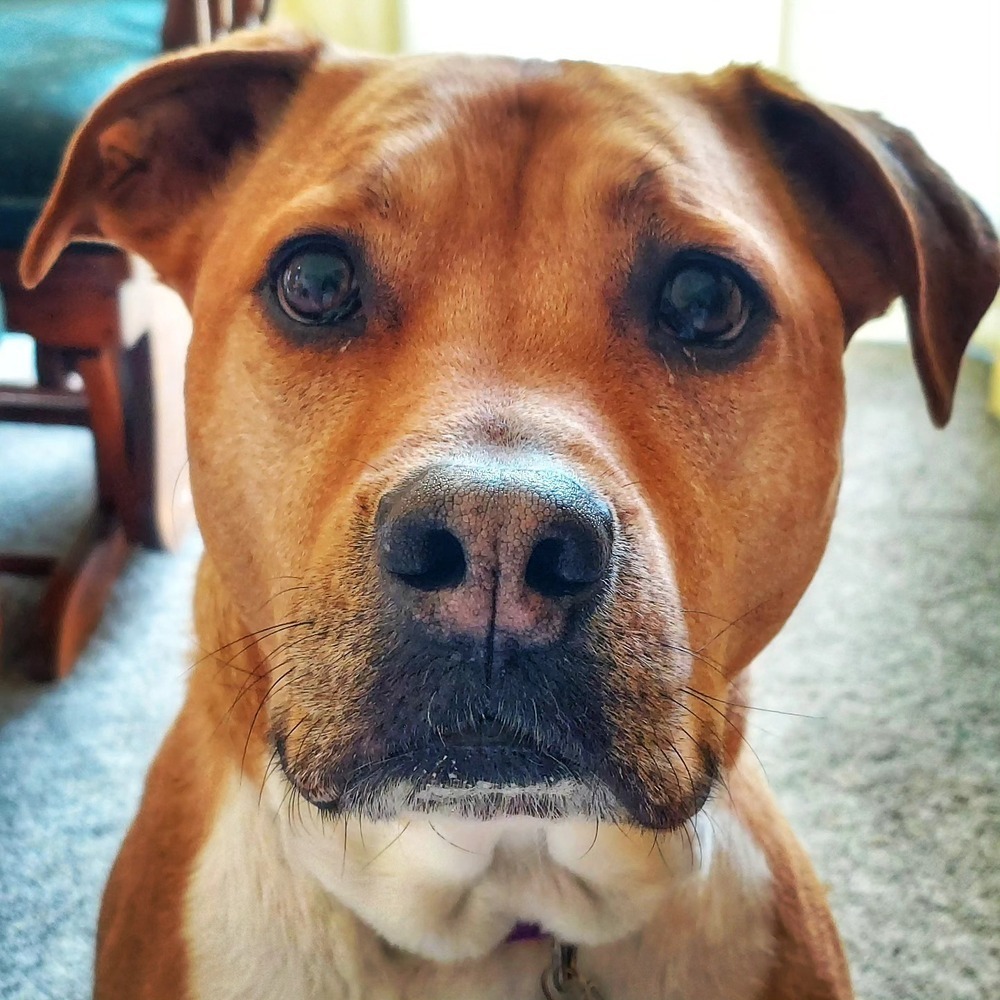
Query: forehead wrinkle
point(675, 152)
point(337, 203)
point(672, 198)
point(630, 198)
point(419, 137)
point(395, 164)
point(465, 128)
point(368, 185)
point(444, 123)
point(653, 180)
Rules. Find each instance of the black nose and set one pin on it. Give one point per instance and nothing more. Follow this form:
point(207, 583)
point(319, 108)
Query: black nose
point(492, 546)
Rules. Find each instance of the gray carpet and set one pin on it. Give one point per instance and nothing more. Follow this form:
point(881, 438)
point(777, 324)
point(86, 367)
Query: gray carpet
point(890, 768)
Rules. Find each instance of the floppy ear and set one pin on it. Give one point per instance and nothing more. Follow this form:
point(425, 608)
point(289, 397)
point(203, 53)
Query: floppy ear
point(138, 170)
point(885, 221)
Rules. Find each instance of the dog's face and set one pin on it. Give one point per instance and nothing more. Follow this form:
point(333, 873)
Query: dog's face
point(513, 414)
point(515, 401)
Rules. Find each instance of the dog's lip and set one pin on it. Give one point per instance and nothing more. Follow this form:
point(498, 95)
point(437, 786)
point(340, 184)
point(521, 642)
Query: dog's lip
point(487, 733)
point(442, 757)
point(454, 764)
point(436, 775)
point(490, 733)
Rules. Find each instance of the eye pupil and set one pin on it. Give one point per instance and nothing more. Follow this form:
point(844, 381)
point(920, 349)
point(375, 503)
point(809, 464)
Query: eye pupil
point(704, 304)
point(316, 282)
point(317, 286)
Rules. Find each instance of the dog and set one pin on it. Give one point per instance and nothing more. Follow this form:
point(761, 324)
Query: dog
point(514, 408)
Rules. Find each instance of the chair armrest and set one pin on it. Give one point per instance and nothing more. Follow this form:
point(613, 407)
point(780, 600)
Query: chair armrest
point(196, 22)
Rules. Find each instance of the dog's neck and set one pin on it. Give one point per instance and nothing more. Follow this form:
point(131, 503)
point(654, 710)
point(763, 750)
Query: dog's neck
point(427, 912)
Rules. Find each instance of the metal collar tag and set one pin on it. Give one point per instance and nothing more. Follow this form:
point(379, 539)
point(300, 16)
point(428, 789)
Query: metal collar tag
point(562, 981)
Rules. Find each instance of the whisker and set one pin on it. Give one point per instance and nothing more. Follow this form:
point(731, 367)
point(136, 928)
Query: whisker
point(387, 846)
point(260, 706)
point(367, 465)
point(250, 638)
point(273, 764)
point(706, 614)
point(755, 708)
point(673, 747)
point(725, 718)
point(255, 676)
point(173, 492)
point(597, 824)
point(715, 665)
point(286, 802)
point(284, 590)
point(746, 614)
point(458, 847)
point(343, 863)
point(659, 849)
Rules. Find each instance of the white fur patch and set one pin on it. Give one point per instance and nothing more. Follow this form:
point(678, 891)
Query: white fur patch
point(271, 907)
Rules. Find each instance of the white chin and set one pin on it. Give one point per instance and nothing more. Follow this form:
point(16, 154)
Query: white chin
point(448, 873)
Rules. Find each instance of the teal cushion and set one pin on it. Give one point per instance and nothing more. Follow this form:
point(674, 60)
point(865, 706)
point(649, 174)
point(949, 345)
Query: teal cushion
point(57, 58)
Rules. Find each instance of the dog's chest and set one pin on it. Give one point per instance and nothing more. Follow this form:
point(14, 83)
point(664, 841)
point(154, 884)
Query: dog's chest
point(258, 930)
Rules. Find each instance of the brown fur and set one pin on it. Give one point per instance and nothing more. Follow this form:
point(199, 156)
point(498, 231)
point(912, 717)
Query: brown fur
point(509, 214)
point(155, 860)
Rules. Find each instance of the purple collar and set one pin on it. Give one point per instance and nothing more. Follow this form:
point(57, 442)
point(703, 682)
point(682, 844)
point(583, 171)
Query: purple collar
point(526, 932)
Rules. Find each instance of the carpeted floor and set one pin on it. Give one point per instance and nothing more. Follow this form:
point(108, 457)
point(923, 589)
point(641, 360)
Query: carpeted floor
point(889, 767)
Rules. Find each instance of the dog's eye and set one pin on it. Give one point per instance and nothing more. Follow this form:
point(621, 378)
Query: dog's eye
point(703, 303)
point(314, 283)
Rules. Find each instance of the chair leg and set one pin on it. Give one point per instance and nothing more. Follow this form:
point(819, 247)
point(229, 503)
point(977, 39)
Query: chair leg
point(101, 374)
point(52, 367)
point(153, 390)
point(77, 592)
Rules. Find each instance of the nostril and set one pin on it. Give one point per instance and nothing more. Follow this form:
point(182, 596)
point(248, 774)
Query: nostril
point(567, 566)
point(424, 557)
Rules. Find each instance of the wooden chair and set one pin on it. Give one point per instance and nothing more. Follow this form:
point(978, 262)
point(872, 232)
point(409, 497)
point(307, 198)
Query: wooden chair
point(109, 338)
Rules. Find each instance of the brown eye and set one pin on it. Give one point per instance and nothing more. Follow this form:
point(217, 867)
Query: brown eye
point(314, 283)
point(702, 303)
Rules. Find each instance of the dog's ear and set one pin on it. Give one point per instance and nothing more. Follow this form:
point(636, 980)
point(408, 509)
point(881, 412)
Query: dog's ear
point(139, 168)
point(885, 221)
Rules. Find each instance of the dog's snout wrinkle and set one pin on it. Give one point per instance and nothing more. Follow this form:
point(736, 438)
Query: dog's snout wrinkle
point(491, 549)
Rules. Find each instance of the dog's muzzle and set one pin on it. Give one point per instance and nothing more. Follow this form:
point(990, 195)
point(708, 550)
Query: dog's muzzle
point(490, 687)
point(490, 573)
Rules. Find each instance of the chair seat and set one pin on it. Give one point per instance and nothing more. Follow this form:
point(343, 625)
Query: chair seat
point(59, 57)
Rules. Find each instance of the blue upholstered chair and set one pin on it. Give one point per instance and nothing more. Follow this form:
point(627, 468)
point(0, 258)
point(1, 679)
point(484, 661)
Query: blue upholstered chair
point(100, 318)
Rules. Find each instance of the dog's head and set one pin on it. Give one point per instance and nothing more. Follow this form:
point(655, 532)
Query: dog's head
point(515, 394)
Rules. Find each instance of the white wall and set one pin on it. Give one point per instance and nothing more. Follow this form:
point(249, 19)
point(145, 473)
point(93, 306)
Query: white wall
point(696, 35)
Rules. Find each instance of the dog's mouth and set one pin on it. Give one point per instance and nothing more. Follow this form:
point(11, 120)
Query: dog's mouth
point(478, 772)
point(487, 772)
